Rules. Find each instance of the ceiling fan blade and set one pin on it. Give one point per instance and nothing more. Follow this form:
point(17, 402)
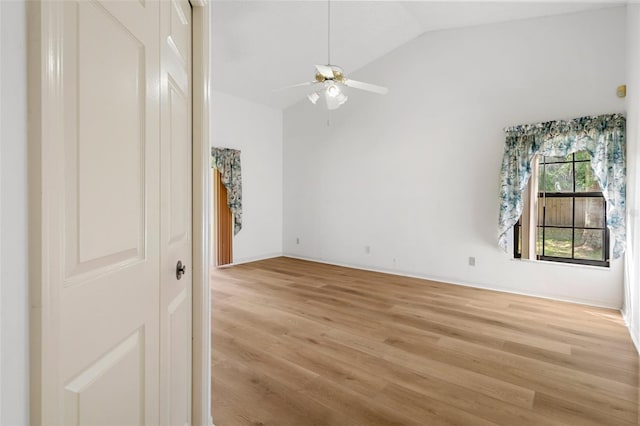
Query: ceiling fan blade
point(366, 86)
point(325, 71)
point(307, 83)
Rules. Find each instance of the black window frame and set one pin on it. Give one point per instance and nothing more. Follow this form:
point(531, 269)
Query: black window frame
point(517, 250)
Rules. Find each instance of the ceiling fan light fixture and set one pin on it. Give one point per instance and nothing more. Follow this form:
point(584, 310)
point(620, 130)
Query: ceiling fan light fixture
point(334, 102)
point(333, 91)
point(313, 97)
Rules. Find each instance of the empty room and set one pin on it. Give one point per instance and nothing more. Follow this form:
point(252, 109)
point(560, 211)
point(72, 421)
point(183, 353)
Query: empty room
point(229, 212)
point(425, 213)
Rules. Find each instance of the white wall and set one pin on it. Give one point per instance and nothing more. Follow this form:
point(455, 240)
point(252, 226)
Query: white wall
point(632, 267)
point(414, 175)
point(14, 355)
point(256, 130)
point(2, 48)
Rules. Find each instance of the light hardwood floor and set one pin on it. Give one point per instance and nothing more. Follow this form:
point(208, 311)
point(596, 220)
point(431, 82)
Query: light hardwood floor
point(301, 343)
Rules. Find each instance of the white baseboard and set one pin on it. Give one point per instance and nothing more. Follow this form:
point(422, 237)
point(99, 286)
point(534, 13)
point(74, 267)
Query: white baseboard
point(448, 280)
point(252, 259)
point(635, 339)
point(632, 332)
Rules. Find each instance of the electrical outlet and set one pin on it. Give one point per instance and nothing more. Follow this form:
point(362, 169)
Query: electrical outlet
point(298, 240)
point(472, 261)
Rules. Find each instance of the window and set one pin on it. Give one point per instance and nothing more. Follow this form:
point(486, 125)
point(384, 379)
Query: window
point(570, 215)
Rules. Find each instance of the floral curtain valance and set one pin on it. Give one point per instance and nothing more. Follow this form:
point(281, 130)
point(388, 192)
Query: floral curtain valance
point(227, 162)
point(603, 137)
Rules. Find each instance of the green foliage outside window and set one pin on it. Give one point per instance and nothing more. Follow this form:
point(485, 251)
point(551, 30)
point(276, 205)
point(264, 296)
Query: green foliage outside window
point(571, 212)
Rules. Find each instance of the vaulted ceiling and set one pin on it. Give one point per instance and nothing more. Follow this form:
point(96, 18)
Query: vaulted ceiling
point(259, 46)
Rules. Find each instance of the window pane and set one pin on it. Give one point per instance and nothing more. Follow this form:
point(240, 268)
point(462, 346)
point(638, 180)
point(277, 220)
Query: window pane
point(539, 243)
point(540, 211)
point(563, 217)
point(558, 159)
point(559, 211)
point(589, 212)
point(582, 155)
point(556, 177)
point(541, 177)
point(585, 179)
point(557, 242)
point(519, 251)
point(588, 244)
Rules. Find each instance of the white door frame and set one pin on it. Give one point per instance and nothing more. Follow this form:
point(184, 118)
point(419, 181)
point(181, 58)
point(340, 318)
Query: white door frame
point(201, 229)
point(44, 84)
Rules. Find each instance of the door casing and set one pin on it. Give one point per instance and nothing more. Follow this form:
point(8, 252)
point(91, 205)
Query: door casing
point(44, 58)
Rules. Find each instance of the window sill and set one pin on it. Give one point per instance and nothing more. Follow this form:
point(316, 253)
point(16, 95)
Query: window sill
point(569, 265)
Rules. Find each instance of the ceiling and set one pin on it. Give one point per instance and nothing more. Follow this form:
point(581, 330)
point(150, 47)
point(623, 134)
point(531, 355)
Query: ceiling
point(260, 46)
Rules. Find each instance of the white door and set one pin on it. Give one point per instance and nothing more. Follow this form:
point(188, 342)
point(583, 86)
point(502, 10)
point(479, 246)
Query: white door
point(116, 210)
point(175, 195)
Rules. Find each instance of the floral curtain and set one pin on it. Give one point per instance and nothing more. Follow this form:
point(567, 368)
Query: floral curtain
point(603, 137)
point(227, 162)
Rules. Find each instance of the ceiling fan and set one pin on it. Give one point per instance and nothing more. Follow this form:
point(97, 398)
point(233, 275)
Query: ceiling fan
point(330, 78)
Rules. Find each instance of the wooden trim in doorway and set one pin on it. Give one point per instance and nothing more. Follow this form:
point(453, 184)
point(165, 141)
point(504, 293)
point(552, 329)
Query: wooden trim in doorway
point(224, 222)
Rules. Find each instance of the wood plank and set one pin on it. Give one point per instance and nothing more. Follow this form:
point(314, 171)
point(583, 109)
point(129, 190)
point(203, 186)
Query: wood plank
point(302, 343)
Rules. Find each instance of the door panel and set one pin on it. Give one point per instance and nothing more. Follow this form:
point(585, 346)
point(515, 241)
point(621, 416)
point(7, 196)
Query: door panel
point(175, 316)
point(180, 160)
point(106, 121)
point(180, 30)
point(118, 377)
point(179, 359)
point(107, 188)
point(104, 197)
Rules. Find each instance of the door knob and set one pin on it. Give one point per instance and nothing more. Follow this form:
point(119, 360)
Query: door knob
point(180, 269)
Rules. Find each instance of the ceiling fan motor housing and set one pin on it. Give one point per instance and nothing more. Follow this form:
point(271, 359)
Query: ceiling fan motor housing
point(338, 75)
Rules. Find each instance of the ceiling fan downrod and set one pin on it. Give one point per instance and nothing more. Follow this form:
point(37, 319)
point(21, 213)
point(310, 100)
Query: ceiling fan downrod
point(328, 32)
